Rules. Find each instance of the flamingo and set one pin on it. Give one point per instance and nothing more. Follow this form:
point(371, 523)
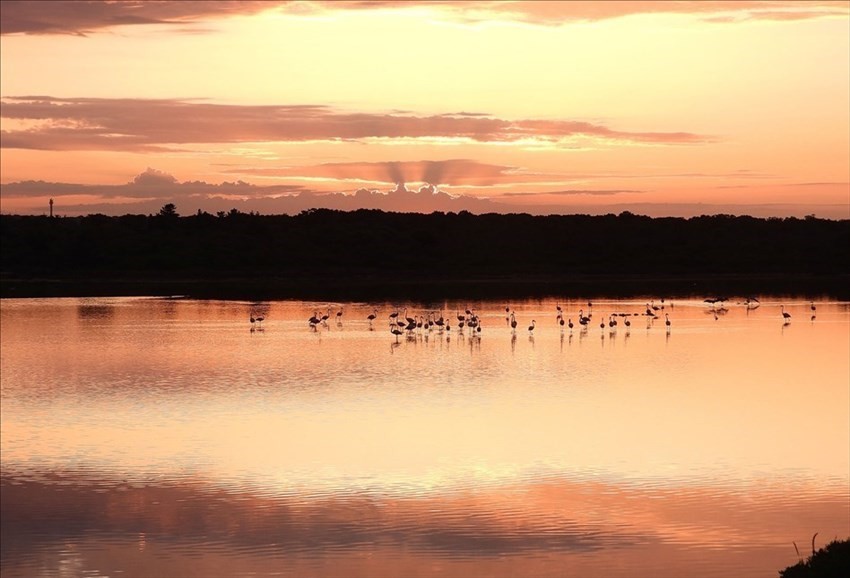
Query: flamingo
point(440, 322)
point(371, 317)
point(531, 327)
point(667, 321)
point(813, 308)
point(513, 322)
point(786, 315)
point(570, 324)
point(339, 315)
point(395, 331)
point(325, 316)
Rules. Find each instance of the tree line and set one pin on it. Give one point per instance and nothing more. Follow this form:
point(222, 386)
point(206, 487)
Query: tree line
point(342, 246)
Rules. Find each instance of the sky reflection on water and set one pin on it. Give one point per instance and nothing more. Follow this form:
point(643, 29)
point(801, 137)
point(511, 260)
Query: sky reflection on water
point(339, 452)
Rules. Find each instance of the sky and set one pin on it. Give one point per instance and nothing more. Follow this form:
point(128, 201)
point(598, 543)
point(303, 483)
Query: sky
point(658, 108)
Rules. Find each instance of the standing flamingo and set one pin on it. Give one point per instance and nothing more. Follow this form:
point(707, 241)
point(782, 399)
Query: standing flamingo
point(667, 321)
point(785, 315)
point(531, 327)
point(395, 330)
point(314, 320)
point(440, 322)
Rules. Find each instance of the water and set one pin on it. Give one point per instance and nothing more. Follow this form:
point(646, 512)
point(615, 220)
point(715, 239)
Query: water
point(145, 436)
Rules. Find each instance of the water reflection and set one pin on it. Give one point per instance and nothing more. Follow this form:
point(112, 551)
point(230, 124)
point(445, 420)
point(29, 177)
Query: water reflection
point(546, 515)
point(90, 309)
point(167, 430)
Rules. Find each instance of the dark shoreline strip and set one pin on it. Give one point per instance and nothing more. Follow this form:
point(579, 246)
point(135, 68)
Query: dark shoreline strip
point(355, 287)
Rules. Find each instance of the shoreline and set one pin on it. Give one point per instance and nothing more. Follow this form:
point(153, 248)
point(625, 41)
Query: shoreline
point(360, 287)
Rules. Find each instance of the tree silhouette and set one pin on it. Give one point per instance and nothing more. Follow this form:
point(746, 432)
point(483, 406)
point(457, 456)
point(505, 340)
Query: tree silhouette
point(169, 210)
point(340, 252)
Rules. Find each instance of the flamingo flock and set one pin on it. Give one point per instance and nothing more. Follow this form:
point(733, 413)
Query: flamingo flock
point(400, 323)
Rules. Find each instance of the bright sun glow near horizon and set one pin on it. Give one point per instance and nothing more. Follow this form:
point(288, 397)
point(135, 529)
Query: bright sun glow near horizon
point(659, 108)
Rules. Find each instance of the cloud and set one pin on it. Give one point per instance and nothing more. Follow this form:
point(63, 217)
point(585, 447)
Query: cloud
point(572, 192)
point(148, 191)
point(84, 17)
point(150, 184)
point(455, 172)
point(144, 125)
point(154, 177)
point(556, 13)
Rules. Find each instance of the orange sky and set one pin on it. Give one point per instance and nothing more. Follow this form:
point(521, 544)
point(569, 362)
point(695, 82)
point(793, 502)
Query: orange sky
point(660, 108)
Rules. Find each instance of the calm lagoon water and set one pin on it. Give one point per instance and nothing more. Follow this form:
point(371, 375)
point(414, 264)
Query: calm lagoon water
point(165, 437)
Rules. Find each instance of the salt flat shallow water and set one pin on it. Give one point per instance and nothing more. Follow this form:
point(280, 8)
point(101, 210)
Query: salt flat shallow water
point(147, 436)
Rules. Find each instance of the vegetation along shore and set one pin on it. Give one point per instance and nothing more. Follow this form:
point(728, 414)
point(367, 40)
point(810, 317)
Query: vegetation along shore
point(367, 254)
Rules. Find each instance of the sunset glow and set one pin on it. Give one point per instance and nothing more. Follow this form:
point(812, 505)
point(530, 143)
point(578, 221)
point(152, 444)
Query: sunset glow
point(659, 108)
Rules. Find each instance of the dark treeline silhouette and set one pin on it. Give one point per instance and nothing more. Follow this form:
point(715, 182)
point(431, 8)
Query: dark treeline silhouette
point(327, 252)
